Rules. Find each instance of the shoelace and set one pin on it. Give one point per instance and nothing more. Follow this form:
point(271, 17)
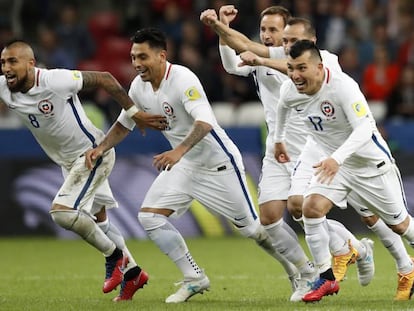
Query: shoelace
point(403, 282)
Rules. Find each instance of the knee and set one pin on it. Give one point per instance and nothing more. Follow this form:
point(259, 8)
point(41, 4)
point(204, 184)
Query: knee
point(151, 221)
point(316, 206)
point(370, 220)
point(294, 206)
point(402, 227)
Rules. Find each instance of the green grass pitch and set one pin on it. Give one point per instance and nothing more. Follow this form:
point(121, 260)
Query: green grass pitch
point(42, 274)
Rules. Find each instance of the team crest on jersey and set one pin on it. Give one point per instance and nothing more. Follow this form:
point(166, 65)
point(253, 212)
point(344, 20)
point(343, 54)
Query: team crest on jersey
point(168, 110)
point(359, 109)
point(192, 93)
point(327, 109)
point(45, 107)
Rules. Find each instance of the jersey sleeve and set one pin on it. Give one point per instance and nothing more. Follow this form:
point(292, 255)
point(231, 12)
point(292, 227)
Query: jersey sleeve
point(277, 52)
point(282, 114)
point(230, 62)
point(331, 61)
point(194, 98)
point(357, 112)
point(61, 81)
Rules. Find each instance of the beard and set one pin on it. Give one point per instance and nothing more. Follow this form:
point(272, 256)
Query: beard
point(18, 85)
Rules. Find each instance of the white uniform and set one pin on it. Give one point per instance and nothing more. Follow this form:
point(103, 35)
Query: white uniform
point(275, 181)
point(212, 172)
point(51, 110)
point(339, 119)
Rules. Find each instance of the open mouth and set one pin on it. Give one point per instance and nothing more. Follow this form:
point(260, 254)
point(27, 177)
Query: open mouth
point(11, 79)
point(300, 85)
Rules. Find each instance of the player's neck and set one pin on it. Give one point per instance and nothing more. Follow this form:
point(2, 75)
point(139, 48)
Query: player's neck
point(156, 83)
point(29, 82)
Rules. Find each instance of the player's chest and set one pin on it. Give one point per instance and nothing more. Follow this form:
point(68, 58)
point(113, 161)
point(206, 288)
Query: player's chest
point(41, 105)
point(322, 114)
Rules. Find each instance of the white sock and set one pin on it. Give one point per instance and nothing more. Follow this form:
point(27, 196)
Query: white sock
point(170, 242)
point(317, 238)
point(339, 237)
point(286, 244)
point(394, 244)
point(115, 235)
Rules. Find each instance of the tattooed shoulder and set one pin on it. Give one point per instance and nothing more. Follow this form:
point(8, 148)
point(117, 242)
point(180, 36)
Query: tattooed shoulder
point(90, 79)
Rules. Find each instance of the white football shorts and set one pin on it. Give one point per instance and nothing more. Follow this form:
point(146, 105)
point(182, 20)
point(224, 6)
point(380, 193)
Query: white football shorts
point(88, 190)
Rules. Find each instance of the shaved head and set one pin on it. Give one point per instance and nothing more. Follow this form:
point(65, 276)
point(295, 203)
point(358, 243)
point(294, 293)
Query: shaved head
point(17, 64)
point(25, 49)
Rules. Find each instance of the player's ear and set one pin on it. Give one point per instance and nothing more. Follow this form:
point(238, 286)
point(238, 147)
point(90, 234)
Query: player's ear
point(163, 55)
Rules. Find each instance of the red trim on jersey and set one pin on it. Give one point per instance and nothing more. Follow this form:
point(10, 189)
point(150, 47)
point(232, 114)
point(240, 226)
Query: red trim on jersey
point(168, 71)
point(328, 75)
point(37, 77)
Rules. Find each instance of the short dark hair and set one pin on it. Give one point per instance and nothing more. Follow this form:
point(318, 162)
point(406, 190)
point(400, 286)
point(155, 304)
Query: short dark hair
point(276, 10)
point(301, 46)
point(153, 36)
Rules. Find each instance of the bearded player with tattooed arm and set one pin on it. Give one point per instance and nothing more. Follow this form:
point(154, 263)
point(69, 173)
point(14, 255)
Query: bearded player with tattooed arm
point(47, 103)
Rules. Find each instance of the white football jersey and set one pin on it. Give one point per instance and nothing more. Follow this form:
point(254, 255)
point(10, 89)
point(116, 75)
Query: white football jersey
point(182, 99)
point(332, 114)
point(268, 82)
point(51, 110)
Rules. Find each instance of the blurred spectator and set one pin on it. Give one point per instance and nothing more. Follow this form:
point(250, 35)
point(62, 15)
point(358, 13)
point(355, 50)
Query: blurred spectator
point(348, 59)
point(49, 51)
point(401, 100)
point(381, 76)
point(73, 35)
point(379, 37)
point(171, 22)
point(335, 31)
point(406, 51)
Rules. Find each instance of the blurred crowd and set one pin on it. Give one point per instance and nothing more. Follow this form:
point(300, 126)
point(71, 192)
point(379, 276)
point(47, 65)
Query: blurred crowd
point(374, 40)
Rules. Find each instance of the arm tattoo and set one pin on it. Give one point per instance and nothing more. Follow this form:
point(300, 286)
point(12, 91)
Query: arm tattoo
point(197, 133)
point(95, 79)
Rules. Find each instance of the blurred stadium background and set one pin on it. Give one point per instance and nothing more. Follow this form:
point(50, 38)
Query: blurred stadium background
point(373, 39)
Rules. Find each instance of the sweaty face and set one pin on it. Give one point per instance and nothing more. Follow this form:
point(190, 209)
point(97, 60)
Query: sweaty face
point(293, 33)
point(306, 73)
point(16, 65)
point(148, 63)
point(271, 29)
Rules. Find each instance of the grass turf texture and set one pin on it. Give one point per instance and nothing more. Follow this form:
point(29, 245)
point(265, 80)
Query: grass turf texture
point(49, 274)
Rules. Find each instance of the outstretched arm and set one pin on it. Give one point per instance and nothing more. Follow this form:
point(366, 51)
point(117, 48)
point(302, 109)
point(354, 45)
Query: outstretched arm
point(231, 37)
point(105, 80)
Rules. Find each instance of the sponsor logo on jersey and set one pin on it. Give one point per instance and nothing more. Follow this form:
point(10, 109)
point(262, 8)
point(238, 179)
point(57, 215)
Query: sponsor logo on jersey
point(192, 93)
point(76, 74)
point(359, 109)
point(327, 109)
point(45, 107)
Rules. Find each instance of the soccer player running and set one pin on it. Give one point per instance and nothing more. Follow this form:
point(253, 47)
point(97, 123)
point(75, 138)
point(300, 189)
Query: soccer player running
point(275, 182)
point(47, 103)
point(297, 29)
point(357, 164)
point(278, 188)
point(203, 164)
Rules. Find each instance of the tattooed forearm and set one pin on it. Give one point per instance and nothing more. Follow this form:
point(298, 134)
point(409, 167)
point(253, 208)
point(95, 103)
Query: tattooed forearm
point(94, 79)
point(200, 129)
